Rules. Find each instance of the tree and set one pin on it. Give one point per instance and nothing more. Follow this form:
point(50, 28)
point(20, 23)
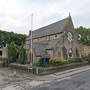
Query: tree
point(22, 55)
point(12, 52)
point(85, 35)
point(8, 37)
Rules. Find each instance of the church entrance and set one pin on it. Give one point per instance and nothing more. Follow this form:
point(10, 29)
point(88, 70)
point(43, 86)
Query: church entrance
point(70, 53)
point(45, 61)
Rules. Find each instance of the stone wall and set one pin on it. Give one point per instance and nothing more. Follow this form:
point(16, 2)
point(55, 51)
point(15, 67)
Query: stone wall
point(50, 70)
point(46, 38)
point(5, 52)
point(47, 70)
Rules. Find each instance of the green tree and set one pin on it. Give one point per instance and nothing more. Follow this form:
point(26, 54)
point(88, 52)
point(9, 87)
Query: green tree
point(8, 37)
point(12, 52)
point(85, 35)
point(22, 55)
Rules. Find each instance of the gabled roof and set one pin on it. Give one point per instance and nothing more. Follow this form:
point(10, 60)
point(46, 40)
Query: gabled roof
point(54, 28)
point(41, 48)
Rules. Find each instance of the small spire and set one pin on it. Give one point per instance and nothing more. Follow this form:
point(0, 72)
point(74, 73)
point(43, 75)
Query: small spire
point(69, 14)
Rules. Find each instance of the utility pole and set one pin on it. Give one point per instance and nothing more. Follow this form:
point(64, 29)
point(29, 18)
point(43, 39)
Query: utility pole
point(31, 39)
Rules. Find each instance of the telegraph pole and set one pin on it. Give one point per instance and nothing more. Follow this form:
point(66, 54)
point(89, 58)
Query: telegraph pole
point(31, 39)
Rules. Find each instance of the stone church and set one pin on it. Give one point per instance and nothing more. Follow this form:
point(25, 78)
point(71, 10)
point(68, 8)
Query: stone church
point(55, 40)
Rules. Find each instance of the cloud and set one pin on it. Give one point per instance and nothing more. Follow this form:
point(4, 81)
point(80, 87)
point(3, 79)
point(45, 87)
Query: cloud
point(15, 15)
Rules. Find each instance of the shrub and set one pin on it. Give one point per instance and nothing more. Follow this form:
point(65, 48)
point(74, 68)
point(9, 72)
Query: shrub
point(12, 52)
point(0, 58)
point(88, 57)
point(22, 55)
point(3, 59)
point(40, 62)
point(57, 61)
point(76, 59)
point(85, 58)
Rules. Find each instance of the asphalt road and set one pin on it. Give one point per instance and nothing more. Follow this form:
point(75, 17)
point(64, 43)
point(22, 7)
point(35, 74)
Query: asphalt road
point(77, 82)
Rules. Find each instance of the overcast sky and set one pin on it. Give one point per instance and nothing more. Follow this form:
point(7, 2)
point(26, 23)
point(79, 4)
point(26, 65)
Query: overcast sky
point(15, 15)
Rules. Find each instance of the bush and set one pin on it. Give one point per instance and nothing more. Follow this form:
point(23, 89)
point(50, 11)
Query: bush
point(0, 58)
point(12, 52)
point(76, 59)
point(3, 59)
point(22, 55)
point(85, 58)
point(40, 62)
point(57, 61)
point(88, 59)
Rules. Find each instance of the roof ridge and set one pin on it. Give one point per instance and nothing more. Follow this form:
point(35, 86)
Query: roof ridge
point(51, 24)
point(54, 28)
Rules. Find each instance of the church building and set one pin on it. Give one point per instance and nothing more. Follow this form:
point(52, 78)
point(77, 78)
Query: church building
point(58, 39)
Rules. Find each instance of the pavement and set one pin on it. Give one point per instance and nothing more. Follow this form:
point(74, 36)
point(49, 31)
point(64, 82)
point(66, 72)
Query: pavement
point(28, 81)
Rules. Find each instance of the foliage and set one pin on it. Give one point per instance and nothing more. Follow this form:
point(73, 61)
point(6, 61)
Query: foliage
point(85, 35)
point(75, 59)
point(57, 61)
point(22, 55)
point(40, 61)
point(2, 59)
point(12, 52)
point(88, 57)
point(8, 37)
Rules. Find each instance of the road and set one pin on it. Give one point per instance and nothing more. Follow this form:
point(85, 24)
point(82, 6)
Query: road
point(7, 82)
point(74, 79)
point(79, 81)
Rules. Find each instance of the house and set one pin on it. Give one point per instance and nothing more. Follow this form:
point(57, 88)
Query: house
point(85, 50)
point(55, 40)
point(4, 52)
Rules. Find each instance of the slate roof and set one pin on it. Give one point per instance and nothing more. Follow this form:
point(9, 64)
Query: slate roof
point(41, 48)
point(54, 28)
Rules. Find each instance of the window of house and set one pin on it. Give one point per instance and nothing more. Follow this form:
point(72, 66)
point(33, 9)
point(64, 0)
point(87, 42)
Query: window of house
point(48, 37)
point(56, 35)
point(85, 48)
point(0, 53)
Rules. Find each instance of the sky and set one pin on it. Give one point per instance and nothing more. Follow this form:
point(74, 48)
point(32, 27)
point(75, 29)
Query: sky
point(15, 15)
